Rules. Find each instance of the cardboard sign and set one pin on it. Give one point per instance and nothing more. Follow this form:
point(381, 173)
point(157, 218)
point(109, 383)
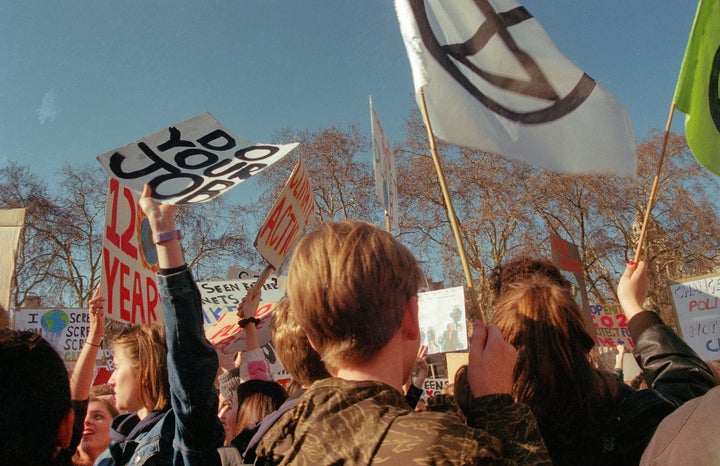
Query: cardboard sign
point(434, 386)
point(442, 320)
point(65, 329)
point(697, 304)
point(611, 326)
point(566, 257)
point(191, 162)
point(129, 260)
point(220, 297)
point(227, 336)
point(11, 227)
point(288, 219)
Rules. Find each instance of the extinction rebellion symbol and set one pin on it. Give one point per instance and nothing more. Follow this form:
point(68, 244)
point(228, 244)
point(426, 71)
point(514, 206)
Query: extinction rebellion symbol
point(456, 59)
point(714, 90)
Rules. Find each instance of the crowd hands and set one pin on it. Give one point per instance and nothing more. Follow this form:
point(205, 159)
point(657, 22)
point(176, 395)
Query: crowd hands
point(347, 332)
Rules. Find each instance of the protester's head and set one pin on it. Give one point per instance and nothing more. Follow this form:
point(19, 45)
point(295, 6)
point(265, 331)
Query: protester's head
point(140, 378)
point(523, 268)
point(293, 348)
point(96, 428)
point(256, 399)
point(348, 285)
point(543, 321)
point(36, 420)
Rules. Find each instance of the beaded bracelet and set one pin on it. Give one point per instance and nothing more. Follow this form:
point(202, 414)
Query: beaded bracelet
point(248, 320)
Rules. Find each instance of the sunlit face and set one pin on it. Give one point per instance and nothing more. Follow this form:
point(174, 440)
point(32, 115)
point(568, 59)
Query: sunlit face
point(96, 429)
point(227, 413)
point(124, 382)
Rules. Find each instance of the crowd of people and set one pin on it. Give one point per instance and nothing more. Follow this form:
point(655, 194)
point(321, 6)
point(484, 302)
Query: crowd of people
point(348, 334)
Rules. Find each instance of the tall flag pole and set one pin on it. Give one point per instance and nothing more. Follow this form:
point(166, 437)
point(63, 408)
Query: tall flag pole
point(697, 94)
point(449, 209)
point(494, 81)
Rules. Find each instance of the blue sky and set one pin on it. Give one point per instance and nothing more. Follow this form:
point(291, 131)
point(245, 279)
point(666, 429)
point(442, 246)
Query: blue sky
point(81, 77)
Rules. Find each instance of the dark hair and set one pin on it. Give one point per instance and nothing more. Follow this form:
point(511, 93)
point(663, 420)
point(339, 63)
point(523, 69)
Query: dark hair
point(524, 268)
point(35, 393)
point(256, 399)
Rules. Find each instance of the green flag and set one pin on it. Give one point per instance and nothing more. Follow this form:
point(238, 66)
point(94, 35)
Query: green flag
point(698, 92)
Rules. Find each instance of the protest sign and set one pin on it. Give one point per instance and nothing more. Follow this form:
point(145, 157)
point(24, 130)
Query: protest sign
point(611, 326)
point(384, 166)
point(227, 336)
point(129, 260)
point(442, 320)
point(697, 304)
point(219, 297)
point(191, 162)
point(11, 226)
point(434, 386)
point(566, 257)
point(290, 215)
point(65, 329)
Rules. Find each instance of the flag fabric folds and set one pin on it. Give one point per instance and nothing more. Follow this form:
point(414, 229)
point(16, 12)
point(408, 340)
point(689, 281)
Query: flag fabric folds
point(493, 80)
point(698, 91)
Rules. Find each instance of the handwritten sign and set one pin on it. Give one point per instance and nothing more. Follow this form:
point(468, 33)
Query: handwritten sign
point(227, 336)
point(442, 320)
point(129, 260)
point(697, 304)
point(220, 297)
point(293, 211)
point(65, 329)
point(434, 386)
point(191, 162)
point(566, 257)
point(611, 326)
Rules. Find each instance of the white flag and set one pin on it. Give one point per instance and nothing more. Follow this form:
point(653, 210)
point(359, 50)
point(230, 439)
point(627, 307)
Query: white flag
point(493, 80)
point(384, 165)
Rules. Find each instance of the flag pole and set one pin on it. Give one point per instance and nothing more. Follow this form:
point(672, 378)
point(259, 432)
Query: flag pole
point(449, 207)
point(653, 191)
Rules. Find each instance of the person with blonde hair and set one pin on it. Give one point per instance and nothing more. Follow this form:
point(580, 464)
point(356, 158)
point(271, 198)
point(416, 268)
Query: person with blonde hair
point(588, 416)
point(352, 287)
point(164, 373)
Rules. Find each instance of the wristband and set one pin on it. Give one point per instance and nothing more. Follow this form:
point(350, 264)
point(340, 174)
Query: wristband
point(167, 236)
point(248, 320)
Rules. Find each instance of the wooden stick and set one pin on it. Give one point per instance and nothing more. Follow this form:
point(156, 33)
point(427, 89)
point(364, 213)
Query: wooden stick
point(449, 207)
point(653, 191)
point(257, 286)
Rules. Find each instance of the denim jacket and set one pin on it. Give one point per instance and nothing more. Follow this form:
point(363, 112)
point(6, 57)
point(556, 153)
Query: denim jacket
point(188, 433)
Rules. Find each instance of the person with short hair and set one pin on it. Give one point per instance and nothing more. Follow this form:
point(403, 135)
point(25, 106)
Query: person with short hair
point(37, 417)
point(353, 288)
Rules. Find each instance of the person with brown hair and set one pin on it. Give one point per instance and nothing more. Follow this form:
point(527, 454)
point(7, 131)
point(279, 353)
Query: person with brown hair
point(96, 431)
point(352, 287)
point(165, 372)
point(588, 416)
point(302, 363)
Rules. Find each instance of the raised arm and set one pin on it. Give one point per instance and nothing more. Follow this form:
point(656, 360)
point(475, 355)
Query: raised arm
point(192, 362)
point(669, 365)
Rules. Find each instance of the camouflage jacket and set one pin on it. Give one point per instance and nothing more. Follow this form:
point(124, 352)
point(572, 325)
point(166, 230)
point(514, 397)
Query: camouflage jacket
point(342, 422)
